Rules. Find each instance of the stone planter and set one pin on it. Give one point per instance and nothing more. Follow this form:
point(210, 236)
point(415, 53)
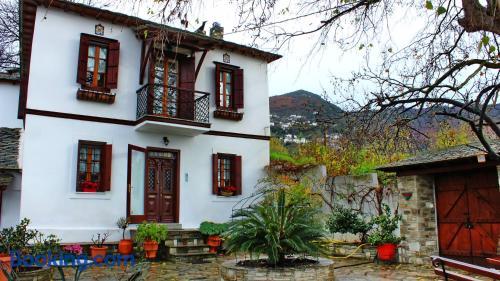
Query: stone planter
point(322, 271)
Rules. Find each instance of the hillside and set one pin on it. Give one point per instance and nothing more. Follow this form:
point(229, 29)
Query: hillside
point(297, 116)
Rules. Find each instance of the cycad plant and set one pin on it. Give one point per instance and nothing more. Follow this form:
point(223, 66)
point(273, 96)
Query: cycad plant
point(277, 229)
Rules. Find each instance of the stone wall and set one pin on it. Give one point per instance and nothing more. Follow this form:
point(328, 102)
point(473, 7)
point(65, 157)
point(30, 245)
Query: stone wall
point(419, 220)
point(323, 271)
point(354, 250)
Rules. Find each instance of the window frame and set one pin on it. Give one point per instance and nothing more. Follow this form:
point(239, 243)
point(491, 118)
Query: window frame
point(102, 145)
point(231, 158)
point(95, 71)
point(228, 68)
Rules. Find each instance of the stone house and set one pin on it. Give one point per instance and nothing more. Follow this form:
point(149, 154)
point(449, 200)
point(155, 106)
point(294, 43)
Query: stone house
point(450, 202)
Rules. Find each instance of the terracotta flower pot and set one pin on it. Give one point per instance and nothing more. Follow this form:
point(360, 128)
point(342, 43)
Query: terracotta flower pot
point(6, 261)
point(150, 249)
point(386, 252)
point(227, 194)
point(98, 251)
point(214, 242)
point(125, 247)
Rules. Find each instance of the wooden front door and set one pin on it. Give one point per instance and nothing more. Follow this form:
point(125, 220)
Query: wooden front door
point(161, 186)
point(468, 213)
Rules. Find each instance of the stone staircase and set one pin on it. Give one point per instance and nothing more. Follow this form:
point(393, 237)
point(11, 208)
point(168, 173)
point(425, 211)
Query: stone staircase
point(187, 245)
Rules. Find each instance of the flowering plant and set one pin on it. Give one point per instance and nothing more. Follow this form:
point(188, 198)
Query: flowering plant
point(73, 249)
point(89, 186)
point(230, 189)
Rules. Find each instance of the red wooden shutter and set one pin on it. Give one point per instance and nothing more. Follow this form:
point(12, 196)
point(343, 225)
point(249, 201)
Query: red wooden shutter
point(237, 174)
point(217, 86)
point(238, 88)
point(106, 168)
point(186, 83)
point(215, 174)
point(112, 65)
point(81, 75)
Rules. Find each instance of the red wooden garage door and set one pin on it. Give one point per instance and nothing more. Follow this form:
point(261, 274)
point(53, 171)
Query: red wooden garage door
point(468, 212)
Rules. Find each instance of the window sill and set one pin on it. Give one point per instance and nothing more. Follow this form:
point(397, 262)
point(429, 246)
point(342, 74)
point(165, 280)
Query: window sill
point(220, 198)
point(97, 96)
point(90, 195)
point(228, 114)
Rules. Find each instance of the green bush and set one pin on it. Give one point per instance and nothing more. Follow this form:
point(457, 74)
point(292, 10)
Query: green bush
point(151, 232)
point(385, 224)
point(211, 228)
point(346, 220)
point(27, 241)
point(276, 229)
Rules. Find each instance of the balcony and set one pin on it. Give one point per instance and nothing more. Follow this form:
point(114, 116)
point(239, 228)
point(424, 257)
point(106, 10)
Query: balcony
point(172, 110)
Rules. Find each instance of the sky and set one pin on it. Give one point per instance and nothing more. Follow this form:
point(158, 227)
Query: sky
point(299, 68)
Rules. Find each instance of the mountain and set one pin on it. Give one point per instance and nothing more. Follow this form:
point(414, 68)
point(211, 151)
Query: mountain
point(297, 116)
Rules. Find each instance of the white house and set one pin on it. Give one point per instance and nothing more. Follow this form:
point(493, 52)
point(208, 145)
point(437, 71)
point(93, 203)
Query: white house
point(122, 117)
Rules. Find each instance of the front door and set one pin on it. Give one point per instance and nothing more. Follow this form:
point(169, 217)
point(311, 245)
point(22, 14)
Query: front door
point(468, 213)
point(161, 186)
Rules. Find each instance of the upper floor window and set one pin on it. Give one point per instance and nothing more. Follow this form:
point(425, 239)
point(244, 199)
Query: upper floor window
point(228, 87)
point(94, 166)
point(98, 63)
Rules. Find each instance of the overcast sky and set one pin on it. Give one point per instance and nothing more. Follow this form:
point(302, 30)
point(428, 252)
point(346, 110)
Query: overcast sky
point(298, 69)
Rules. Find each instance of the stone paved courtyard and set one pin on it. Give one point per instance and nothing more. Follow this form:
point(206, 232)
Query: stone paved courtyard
point(346, 270)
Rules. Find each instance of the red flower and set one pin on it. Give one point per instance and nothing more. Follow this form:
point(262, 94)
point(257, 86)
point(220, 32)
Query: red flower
point(89, 186)
point(229, 188)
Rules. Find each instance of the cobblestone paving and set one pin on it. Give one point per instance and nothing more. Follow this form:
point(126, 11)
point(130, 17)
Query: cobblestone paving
point(346, 270)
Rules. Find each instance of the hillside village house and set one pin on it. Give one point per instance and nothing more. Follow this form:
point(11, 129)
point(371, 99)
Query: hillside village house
point(105, 121)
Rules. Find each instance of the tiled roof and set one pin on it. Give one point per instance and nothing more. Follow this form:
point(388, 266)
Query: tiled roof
point(9, 148)
point(443, 155)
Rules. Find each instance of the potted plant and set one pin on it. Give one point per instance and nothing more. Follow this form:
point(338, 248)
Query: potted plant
point(98, 249)
point(383, 235)
point(89, 186)
point(150, 234)
point(18, 242)
point(227, 190)
point(213, 231)
point(126, 245)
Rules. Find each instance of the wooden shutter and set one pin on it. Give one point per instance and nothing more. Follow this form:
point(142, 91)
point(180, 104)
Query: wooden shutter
point(217, 86)
point(237, 174)
point(238, 88)
point(81, 75)
point(215, 174)
point(186, 84)
point(106, 168)
point(112, 65)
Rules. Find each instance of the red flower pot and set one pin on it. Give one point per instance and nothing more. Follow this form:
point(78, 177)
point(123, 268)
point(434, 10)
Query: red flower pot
point(89, 189)
point(6, 261)
point(125, 247)
point(150, 249)
point(98, 251)
point(386, 252)
point(214, 242)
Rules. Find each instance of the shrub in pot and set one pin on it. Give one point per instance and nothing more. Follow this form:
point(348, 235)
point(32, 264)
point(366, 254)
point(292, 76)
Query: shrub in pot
point(279, 228)
point(150, 234)
point(213, 231)
point(98, 249)
point(383, 234)
point(345, 220)
point(18, 241)
point(125, 246)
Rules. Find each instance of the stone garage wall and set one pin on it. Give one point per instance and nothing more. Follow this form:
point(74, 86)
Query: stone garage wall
point(419, 219)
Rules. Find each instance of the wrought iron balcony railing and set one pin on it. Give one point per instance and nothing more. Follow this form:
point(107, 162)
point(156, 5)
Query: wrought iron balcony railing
point(160, 100)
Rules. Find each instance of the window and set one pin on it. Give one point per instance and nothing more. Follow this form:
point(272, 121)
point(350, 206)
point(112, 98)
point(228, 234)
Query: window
point(226, 174)
point(94, 167)
point(228, 87)
point(98, 63)
point(96, 66)
point(166, 78)
point(225, 89)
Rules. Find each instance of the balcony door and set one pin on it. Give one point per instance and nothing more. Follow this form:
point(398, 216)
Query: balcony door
point(165, 91)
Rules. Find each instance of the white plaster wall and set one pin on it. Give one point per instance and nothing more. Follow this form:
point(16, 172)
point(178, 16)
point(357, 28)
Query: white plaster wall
point(11, 198)
point(49, 175)
point(9, 100)
point(52, 84)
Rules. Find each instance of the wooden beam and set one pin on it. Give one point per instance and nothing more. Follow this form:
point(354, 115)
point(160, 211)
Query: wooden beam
point(145, 54)
point(198, 67)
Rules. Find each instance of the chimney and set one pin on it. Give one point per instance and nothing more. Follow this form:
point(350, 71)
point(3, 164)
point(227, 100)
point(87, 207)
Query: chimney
point(217, 31)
